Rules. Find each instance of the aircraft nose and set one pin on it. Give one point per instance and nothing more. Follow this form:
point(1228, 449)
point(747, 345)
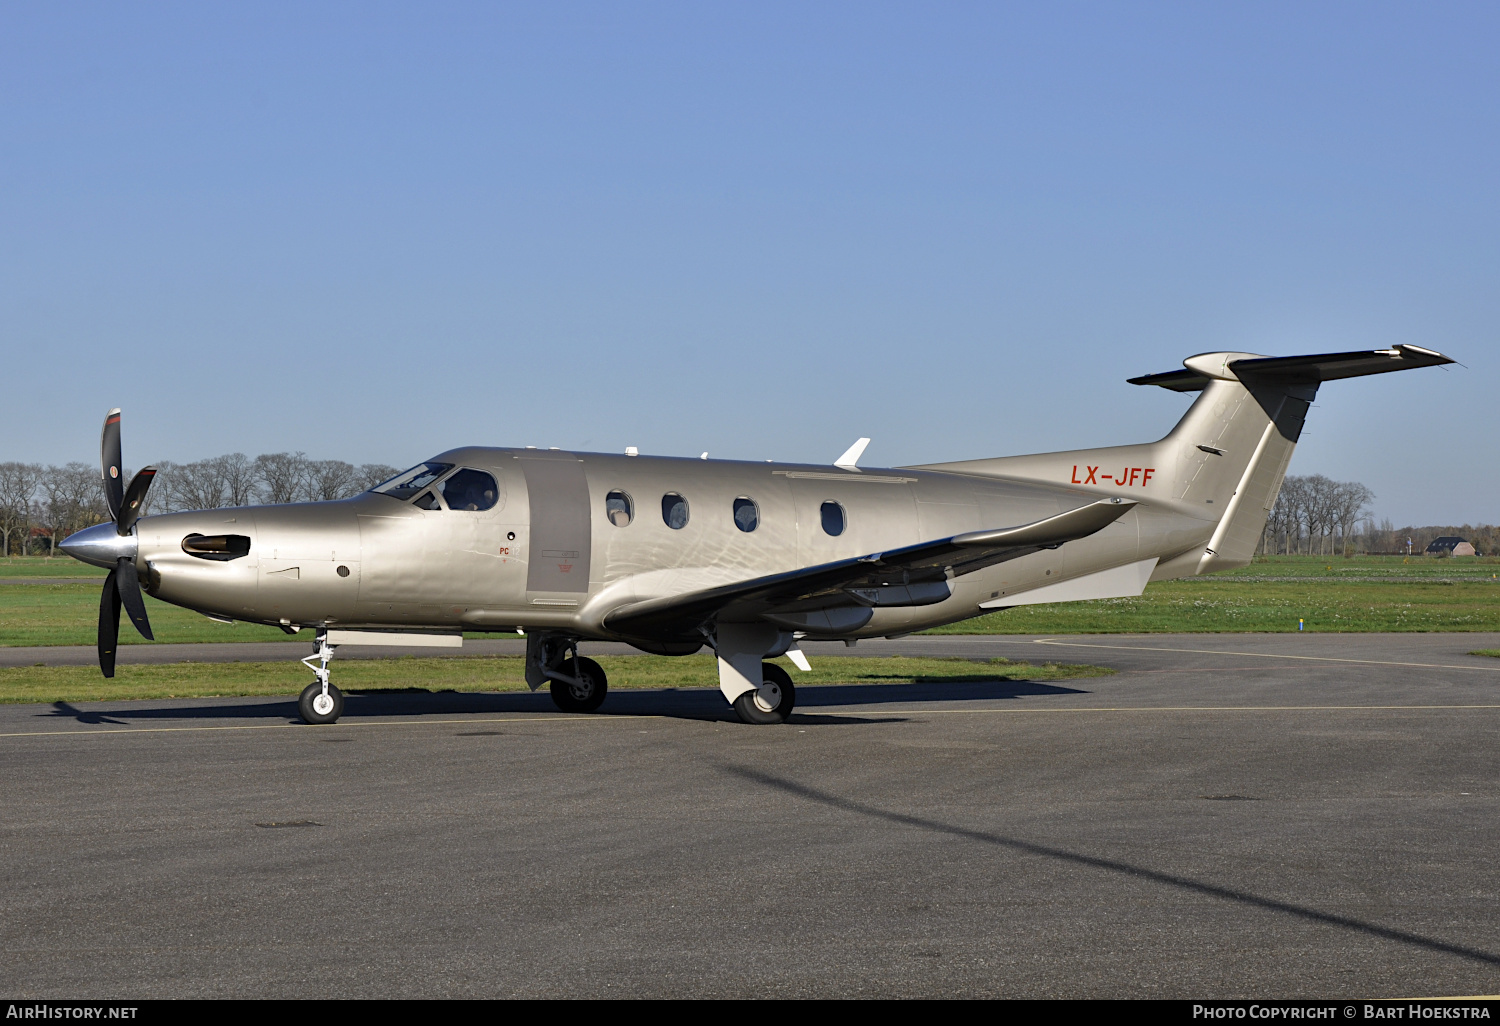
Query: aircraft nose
point(100, 545)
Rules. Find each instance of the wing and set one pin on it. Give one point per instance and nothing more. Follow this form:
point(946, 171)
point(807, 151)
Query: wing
point(912, 576)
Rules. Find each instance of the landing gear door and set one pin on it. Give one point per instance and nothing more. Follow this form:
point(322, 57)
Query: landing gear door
point(561, 535)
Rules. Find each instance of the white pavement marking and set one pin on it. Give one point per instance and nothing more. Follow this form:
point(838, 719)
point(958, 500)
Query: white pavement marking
point(1262, 655)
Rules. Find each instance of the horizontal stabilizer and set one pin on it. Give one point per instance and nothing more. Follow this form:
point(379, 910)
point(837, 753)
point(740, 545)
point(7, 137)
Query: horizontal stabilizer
point(1290, 370)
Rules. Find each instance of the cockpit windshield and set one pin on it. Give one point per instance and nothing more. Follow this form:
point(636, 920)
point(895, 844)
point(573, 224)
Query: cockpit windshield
point(408, 483)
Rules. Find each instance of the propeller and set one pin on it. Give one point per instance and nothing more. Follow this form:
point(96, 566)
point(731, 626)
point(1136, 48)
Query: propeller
point(122, 588)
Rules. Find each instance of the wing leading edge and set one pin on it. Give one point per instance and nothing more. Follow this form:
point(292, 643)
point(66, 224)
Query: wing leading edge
point(911, 576)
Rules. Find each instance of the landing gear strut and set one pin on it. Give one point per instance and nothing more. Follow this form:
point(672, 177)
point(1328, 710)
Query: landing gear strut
point(320, 701)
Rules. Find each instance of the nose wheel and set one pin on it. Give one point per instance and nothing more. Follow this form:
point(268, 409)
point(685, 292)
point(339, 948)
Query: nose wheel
point(320, 703)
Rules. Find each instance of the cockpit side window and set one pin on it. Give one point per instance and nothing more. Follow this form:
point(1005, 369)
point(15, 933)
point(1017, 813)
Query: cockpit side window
point(427, 501)
point(470, 489)
point(409, 482)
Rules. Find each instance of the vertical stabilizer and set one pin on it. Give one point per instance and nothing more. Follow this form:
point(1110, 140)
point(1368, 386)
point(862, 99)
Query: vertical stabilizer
point(1225, 460)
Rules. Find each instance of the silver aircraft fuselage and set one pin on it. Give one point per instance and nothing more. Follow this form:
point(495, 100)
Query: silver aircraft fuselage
point(547, 555)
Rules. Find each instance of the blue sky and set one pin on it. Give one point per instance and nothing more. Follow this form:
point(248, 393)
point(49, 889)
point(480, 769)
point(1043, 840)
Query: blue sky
point(373, 231)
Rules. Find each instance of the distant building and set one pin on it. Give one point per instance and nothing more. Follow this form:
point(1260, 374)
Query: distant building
point(1450, 546)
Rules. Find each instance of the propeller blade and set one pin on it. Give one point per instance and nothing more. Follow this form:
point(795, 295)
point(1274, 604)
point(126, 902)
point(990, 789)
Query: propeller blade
point(109, 465)
point(109, 624)
point(135, 498)
point(128, 585)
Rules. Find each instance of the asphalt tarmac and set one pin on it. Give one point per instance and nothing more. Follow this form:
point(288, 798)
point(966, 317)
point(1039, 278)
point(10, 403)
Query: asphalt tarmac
point(1228, 816)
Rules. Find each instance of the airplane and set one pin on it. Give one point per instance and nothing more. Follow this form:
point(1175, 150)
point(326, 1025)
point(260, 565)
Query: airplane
point(752, 559)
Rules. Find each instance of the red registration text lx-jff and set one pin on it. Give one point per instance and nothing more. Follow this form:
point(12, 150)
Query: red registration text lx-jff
point(1127, 477)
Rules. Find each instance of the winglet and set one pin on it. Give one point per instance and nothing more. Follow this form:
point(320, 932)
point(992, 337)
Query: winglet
point(850, 459)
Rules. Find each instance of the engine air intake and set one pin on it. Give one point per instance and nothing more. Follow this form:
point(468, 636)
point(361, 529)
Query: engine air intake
point(216, 546)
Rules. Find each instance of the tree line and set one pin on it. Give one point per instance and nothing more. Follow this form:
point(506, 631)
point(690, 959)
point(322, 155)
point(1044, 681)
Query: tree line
point(41, 505)
point(1314, 515)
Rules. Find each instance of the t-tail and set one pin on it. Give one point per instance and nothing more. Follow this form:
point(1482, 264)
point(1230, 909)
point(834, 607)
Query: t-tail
point(1224, 461)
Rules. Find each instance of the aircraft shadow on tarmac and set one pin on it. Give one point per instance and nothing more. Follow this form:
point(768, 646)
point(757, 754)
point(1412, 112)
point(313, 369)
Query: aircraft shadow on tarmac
point(690, 703)
point(1119, 867)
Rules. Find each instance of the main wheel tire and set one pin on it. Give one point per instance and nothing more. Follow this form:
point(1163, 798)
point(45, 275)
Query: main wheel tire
point(772, 702)
point(315, 707)
point(585, 697)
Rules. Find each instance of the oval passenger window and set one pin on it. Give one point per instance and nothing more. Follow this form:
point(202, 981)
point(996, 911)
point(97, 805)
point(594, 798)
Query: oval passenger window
point(617, 507)
point(674, 511)
point(746, 514)
point(470, 489)
point(833, 518)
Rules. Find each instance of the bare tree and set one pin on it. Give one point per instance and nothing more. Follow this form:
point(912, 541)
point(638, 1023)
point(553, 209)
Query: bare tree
point(199, 485)
point(329, 479)
point(73, 498)
point(1350, 505)
point(1318, 510)
point(161, 497)
point(1291, 512)
point(281, 476)
point(18, 486)
point(1283, 516)
point(238, 473)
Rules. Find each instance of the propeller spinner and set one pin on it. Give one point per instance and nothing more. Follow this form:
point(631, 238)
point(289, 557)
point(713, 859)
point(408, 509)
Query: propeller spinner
point(114, 546)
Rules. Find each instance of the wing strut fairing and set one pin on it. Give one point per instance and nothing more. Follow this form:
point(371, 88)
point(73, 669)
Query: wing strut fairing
point(911, 576)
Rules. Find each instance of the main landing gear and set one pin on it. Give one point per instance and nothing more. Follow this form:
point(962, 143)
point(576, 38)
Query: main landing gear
point(771, 702)
point(759, 691)
point(320, 701)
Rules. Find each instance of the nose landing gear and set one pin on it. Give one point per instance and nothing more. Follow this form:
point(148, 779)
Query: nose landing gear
point(320, 701)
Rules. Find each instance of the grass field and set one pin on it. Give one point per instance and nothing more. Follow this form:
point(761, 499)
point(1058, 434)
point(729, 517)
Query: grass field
point(502, 673)
point(1227, 604)
point(1380, 593)
point(41, 566)
point(1366, 568)
point(1363, 593)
